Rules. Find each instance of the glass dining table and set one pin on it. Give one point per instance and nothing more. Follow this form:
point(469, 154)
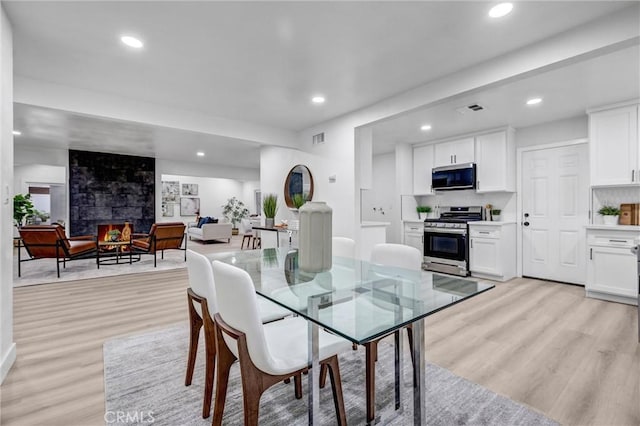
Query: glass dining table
point(359, 301)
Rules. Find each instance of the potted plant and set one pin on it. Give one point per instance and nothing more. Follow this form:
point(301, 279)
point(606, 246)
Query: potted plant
point(234, 211)
point(40, 216)
point(22, 208)
point(495, 214)
point(114, 234)
point(609, 214)
point(270, 207)
point(423, 211)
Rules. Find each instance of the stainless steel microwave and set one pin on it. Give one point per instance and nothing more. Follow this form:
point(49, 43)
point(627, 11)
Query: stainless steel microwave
point(454, 177)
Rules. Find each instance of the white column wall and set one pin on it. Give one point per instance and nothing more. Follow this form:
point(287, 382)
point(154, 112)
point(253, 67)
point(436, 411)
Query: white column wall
point(7, 346)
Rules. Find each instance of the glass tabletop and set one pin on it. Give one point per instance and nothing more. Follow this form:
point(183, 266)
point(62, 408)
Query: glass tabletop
point(355, 299)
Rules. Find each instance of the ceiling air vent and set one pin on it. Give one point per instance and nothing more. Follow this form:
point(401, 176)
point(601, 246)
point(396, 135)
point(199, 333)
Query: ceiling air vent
point(318, 139)
point(468, 108)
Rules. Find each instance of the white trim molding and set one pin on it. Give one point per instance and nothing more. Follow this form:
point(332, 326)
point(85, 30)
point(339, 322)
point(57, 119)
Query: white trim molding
point(7, 362)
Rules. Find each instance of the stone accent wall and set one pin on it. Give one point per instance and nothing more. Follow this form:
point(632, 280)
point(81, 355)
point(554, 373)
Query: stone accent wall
point(110, 188)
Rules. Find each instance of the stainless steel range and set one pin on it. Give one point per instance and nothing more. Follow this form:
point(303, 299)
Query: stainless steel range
point(446, 246)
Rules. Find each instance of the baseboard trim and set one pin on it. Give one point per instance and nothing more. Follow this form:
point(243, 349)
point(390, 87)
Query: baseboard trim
point(7, 362)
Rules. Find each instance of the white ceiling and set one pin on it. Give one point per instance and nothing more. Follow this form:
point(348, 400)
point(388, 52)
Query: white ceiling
point(258, 62)
point(52, 128)
point(566, 92)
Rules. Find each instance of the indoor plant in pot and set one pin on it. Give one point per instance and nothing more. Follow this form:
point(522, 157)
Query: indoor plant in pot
point(234, 211)
point(22, 208)
point(270, 207)
point(423, 211)
point(495, 214)
point(609, 214)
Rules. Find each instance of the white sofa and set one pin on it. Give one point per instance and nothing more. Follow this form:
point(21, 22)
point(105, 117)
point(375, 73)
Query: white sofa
point(210, 231)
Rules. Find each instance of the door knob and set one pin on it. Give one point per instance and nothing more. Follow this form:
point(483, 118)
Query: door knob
point(526, 223)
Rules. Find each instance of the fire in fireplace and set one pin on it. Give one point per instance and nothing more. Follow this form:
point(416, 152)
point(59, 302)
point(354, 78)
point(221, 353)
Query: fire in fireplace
point(116, 232)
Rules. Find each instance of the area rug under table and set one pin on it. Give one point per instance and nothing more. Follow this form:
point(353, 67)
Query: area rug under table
point(144, 383)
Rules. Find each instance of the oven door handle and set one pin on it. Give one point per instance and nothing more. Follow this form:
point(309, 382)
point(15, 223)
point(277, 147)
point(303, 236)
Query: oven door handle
point(445, 231)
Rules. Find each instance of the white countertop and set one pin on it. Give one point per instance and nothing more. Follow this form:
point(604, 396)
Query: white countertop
point(413, 221)
point(371, 224)
point(615, 227)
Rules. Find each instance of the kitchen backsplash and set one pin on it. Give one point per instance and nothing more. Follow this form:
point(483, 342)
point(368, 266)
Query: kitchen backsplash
point(499, 200)
point(613, 197)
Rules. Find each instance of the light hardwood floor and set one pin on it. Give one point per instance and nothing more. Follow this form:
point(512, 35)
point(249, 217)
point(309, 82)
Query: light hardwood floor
point(576, 360)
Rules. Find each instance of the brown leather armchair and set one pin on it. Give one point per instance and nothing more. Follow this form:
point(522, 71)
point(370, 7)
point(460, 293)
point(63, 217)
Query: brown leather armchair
point(161, 237)
point(51, 242)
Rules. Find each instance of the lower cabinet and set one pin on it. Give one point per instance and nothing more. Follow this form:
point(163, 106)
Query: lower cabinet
point(414, 235)
point(492, 251)
point(611, 266)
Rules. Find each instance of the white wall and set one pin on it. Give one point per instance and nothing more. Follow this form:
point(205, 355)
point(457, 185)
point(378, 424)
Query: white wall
point(213, 194)
point(27, 175)
point(382, 196)
point(7, 346)
point(554, 131)
point(249, 194)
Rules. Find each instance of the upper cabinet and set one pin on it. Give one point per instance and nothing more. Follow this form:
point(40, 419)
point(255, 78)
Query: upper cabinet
point(495, 162)
point(614, 151)
point(454, 152)
point(422, 165)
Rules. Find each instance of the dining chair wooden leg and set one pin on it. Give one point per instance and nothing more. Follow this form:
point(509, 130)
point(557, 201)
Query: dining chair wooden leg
point(195, 325)
point(297, 382)
point(225, 361)
point(210, 367)
point(323, 375)
point(336, 387)
point(370, 378)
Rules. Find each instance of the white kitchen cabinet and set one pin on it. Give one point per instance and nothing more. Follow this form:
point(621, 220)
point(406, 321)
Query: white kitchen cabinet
point(414, 235)
point(611, 266)
point(492, 250)
point(422, 165)
point(495, 160)
point(454, 152)
point(613, 142)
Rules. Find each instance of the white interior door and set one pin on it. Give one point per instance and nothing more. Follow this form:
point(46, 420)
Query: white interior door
point(555, 204)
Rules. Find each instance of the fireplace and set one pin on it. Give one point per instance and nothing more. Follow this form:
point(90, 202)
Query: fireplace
point(114, 232)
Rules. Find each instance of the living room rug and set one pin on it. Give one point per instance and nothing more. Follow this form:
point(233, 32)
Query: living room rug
point(144, 380)
point(43, 271)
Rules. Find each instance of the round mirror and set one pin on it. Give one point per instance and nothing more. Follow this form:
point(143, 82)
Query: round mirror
point(298, 187)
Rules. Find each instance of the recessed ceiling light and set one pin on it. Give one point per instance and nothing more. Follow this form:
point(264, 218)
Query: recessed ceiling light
point(17, 132)
point(317, 99)
point(425, 127)
point(500, 10)
point(534, 101)
point(200, 154)
point(132, 41)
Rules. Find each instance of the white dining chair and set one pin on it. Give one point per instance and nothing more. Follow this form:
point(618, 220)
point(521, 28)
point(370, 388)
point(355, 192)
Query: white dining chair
point(388, 260)
point(343, 247)
point(203, 304)
point(268, 353)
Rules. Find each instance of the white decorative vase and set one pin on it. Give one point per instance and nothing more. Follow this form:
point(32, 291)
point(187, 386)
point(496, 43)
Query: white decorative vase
point(610, 220)
point(315, 237)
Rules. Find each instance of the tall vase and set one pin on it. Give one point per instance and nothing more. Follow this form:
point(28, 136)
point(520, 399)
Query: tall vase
point(315, 237)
